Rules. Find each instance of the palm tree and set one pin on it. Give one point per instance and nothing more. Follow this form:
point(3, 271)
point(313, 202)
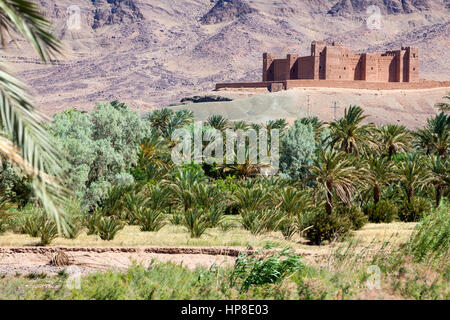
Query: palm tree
point(182, 187)
point(436, 135)
point(349, 134)
point(23, 141)
point(240, 125)
point(444, 106)
point(279, 124)
point(394, 139)
point(293, 204)
point(218, 122)
point(381, 172)
point(413, 175)
point(439, 176)
point(335, 172)
point(159, 119)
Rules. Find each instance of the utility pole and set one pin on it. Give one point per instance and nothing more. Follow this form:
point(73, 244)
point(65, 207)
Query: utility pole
point(335, 107)
point(309, 108)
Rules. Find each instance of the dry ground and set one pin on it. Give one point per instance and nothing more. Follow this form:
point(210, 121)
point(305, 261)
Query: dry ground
point(20, 253)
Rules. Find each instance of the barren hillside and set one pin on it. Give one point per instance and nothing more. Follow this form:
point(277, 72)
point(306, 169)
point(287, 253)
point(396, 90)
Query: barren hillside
point(152, 53)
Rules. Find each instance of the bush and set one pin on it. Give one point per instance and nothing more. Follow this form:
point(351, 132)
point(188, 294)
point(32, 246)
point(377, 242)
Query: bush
point(260, 221)
point(107, 227)
point(196, 222)
point(48, 232)
point(91, 221)
point(431, 240)
point(355, 215)
point(176, 218)
point(262, 268)
point(412, 211)
point(31, 224)
point(326, 227)
point(5, 216)
point(215, 216)
point(298, 146)
point(75, 226)
point(149, 219)
point(383, 211)
point(38, 224)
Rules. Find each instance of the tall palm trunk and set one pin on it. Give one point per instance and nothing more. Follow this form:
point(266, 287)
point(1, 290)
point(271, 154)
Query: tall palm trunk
point(410, 193)
point(438, 195)
point(376, 193)
point(329, 195)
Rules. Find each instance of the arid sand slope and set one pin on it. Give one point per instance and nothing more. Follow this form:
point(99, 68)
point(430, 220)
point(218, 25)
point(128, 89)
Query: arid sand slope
point(410, 108)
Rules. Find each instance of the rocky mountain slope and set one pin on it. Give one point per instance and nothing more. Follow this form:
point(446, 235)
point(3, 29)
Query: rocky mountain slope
point(154, 52)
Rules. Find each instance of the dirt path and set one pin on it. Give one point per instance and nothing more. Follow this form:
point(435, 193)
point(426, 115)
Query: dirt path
point(27, 260)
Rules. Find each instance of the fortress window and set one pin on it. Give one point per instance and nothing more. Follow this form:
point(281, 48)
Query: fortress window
point(371, 68)
point(345, 68)
point(414, 69)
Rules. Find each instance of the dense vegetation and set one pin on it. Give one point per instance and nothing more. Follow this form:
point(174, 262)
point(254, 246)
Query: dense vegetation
point(419, 269)
point(334, 176)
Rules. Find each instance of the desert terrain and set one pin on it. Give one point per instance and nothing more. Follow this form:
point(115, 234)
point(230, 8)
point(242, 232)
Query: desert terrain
point(153, 53)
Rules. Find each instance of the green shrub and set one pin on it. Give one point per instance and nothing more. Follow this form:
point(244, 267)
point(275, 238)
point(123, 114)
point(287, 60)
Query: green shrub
point(383, 211)
point(48, 232)
point(431, 240)
point(176, 218)
point(324, 227)
point(107, 227)
point(75, 226)
point(149, 219)
point(91, 220)
point(38, 224)
point(215, 216)
point(196, 222)
point(288, 228)
point(355, 215)
point(5, 215)
point(412, 211)
point(262, 268)
point(260, 221)
point(34, 219)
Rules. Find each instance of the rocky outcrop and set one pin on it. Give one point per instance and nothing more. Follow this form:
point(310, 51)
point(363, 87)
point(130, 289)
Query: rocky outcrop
point(115, 12)
point(227, 10)
point(348, 7)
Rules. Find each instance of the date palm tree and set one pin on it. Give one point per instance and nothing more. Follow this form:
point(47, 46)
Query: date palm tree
point(348, 134)
point(294, 205)
point(335, 172)
point(439, 176)
point(394, 139)
point(23, 140)
point(413, 175)
point(240, 125)
point(218, 122)
point(435, 137)
point(381, 171)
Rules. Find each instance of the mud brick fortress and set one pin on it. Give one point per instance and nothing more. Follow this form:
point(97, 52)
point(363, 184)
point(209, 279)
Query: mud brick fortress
point(336, 62)
point(336, 66)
